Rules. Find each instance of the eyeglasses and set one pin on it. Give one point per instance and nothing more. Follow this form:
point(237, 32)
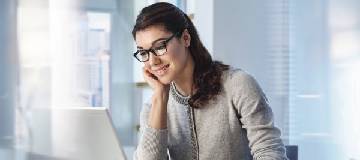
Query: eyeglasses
point(143, 55)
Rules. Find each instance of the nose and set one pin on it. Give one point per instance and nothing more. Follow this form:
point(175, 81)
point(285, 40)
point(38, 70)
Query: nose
point(153, 59)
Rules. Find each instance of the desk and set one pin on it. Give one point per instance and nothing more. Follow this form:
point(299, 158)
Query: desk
point(20, 154)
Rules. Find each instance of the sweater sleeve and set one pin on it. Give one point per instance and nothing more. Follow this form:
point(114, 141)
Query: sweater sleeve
point(153, 142)
point(257, 118)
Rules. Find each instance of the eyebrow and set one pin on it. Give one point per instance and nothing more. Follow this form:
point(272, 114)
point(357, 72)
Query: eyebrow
point(152, 44)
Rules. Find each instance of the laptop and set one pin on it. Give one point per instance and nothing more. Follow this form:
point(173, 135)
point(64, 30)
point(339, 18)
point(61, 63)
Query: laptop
point(84, 134)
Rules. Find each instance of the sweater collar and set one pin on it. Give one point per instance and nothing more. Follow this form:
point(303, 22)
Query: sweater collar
point(178, 96)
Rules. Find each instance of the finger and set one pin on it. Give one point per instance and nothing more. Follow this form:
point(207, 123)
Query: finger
point(149, 77)
point(147, 73)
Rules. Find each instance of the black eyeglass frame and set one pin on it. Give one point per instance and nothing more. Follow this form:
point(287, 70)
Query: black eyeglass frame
point(153, 50)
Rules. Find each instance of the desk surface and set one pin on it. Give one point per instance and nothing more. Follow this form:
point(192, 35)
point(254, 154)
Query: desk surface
point(20, 154)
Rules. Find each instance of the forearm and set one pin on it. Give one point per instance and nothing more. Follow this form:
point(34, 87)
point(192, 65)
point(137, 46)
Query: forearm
point(158, 111)
point(153, 142)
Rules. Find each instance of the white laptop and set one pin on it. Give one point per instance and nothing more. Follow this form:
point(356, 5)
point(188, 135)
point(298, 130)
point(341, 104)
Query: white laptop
point(84, 134)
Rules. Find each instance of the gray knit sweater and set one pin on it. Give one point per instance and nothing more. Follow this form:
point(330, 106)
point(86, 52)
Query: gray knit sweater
point(237, 125)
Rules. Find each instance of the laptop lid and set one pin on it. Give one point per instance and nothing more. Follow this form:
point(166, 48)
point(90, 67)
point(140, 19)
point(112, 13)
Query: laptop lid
point(85, 134)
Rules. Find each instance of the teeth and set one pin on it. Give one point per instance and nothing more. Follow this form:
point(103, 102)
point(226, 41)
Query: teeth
point(162, 71)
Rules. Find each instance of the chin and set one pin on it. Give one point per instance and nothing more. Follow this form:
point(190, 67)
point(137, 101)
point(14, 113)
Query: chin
point(165, 80)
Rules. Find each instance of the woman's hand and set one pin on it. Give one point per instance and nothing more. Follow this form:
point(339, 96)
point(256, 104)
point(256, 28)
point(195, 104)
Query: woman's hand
point(153, 81)
point(158, 113)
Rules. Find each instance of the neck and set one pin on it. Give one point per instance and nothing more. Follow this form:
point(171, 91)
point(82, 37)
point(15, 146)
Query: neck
point(184, 82)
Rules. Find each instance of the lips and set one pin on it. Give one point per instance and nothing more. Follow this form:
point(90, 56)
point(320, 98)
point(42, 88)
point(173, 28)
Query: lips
point(162, 70)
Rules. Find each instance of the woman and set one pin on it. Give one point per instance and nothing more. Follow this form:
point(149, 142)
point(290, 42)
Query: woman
point(200, 108)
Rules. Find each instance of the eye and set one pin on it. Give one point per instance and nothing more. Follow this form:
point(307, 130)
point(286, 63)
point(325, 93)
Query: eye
point(142, 53)
point(160, 47)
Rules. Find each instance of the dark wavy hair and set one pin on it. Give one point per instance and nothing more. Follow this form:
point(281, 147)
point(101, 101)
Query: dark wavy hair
point(207, 73)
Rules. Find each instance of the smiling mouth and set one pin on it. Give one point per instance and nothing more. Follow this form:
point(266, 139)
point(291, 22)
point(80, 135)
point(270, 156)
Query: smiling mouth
point(161, 71)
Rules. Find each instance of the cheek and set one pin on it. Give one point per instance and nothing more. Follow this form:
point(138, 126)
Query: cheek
point(147, 65)
point(178, 55)
point(180, 59)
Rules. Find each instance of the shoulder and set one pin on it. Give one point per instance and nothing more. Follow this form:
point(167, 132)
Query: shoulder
point(238, 77)
point(238, 81)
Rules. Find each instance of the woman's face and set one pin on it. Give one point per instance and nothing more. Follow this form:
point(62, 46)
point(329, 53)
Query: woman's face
point(171, 65)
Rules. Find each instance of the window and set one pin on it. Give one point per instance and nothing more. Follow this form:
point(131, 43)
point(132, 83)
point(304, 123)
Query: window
point(93, 63)
point(64, 61)
point(81, 59)
point(324, 88)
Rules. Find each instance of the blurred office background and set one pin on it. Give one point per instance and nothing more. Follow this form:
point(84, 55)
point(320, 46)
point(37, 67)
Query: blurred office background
point(64, 53)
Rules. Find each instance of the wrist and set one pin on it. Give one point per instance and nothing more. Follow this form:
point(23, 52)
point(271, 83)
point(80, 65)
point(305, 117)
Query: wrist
point(161, 94)
point(160, 98)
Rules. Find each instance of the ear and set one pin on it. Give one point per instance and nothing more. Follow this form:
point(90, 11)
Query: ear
point(186, 38)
